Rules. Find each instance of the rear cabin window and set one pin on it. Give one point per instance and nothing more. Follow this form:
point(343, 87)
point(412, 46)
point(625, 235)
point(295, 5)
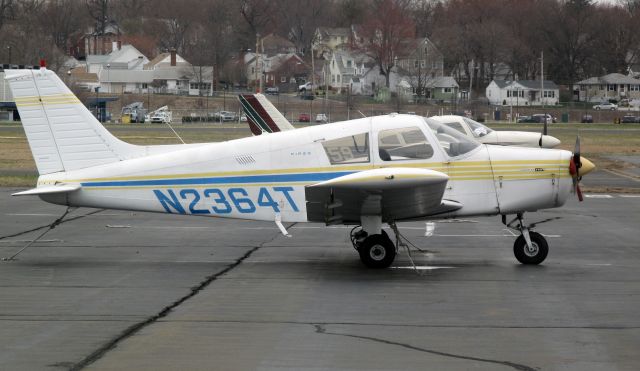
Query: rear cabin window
point(403, 144)
point(348, 150)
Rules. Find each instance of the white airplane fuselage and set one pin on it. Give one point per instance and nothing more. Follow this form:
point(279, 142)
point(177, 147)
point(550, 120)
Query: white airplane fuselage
point(260, 177)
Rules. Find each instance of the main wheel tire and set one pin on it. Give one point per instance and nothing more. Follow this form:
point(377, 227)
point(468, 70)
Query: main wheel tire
point(377, 251)
point(535, 255)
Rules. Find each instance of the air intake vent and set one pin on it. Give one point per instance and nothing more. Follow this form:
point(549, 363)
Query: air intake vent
point(245, 160)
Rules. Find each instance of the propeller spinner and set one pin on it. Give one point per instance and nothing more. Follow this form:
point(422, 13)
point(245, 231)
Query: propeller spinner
point(578, 167)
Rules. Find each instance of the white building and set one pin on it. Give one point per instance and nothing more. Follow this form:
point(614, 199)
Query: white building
point(522, 93)
point(347, 71)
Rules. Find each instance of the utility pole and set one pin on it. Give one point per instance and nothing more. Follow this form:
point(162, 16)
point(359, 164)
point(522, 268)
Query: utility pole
point(313, 84)
point(542, 80)
point(471, 78)
point(257, 62)
point(261, 64)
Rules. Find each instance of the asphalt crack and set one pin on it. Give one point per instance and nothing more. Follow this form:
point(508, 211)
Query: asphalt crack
point(47, 225)
point(133, 329)
point(320, 329)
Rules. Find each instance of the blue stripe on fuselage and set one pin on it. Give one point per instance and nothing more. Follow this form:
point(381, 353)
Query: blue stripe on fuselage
point(271, 178)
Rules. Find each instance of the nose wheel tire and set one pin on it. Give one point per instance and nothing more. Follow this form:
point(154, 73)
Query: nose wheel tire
point(534, 255)
point(377, 251)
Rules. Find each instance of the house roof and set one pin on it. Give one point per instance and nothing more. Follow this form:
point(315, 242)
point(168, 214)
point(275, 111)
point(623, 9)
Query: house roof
point(342, 57)
point(119, 58)
point(528, 84)
point(273, 41)
point(163, 60)
point(442, 82)
point(126, 76)
point(339, 31)
point(412, 46)
point(612, 78)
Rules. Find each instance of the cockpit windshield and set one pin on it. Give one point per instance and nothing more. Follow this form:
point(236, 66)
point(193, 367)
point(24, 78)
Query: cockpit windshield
point(477, 129)
point(452, 142)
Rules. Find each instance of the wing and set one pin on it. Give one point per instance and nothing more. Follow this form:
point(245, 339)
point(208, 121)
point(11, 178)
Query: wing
point(394, 193)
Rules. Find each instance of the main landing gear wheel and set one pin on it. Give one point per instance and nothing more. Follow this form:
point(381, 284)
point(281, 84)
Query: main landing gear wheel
point(377, 251)
point(534, 255)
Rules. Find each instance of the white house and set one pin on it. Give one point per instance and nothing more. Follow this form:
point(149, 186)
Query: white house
point(347, 70)
point(522, 93)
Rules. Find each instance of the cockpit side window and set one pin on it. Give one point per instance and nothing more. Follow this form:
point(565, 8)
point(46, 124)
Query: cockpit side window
point(403, 144)
point(477, 129)
point(348, 150)
point(457, 126)
point(451, 141)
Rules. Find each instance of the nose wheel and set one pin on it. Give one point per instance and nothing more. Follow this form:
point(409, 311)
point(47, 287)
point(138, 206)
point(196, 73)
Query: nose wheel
point(535, 253)
point(530, 247)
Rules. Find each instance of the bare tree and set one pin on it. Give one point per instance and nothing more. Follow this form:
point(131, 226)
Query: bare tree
point(62, 19)
point(99, 12)
point(258, 15)
point(384, 34)
point(176, 20)
point(570, 29)
point(7, 10)
point(299, 19)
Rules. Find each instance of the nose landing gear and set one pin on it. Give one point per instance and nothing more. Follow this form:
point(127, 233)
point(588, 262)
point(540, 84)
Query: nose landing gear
point(530, 247)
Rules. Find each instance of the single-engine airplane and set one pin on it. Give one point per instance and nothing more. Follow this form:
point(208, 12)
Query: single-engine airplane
point(483, 134)
point(264, 117)
point(363, 172)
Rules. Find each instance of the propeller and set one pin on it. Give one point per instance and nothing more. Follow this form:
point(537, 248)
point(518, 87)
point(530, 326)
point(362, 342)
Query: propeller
point(574, 168)
point(544, 130)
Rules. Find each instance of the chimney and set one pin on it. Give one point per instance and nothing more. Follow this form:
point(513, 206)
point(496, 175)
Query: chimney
point(173, 57)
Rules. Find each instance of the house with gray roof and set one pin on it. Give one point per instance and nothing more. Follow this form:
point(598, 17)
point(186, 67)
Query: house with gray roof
point(347, 70)
point(522, 93)
point(612, 86)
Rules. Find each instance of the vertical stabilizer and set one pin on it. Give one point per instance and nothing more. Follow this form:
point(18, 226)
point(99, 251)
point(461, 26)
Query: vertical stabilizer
point(262, 116)
point(62, 132)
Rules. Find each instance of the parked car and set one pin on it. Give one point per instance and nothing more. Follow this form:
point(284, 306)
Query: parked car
point(628, 119)
point(162, 117)
point(304, 117)
point(606, 106)
point(272, 91)
point(224, 116)
point(587, 119)
point(526, 120)
point(321, 117)
point(305, 87)
point(540, 117)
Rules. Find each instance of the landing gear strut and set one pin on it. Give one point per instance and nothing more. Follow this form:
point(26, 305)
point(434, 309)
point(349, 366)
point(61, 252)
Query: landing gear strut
point(530, 247)
point(376, 250)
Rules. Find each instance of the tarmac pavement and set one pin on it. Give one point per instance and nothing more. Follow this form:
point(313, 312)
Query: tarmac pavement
point(119, 290)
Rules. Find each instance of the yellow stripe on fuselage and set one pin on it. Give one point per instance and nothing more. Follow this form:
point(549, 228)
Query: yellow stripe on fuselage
point(453, 169)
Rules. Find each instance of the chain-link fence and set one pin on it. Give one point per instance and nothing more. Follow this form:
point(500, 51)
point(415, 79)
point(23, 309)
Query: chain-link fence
point(224, 107)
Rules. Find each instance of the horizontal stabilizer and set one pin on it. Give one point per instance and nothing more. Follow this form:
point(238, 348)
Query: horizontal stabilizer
point(62, 188)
